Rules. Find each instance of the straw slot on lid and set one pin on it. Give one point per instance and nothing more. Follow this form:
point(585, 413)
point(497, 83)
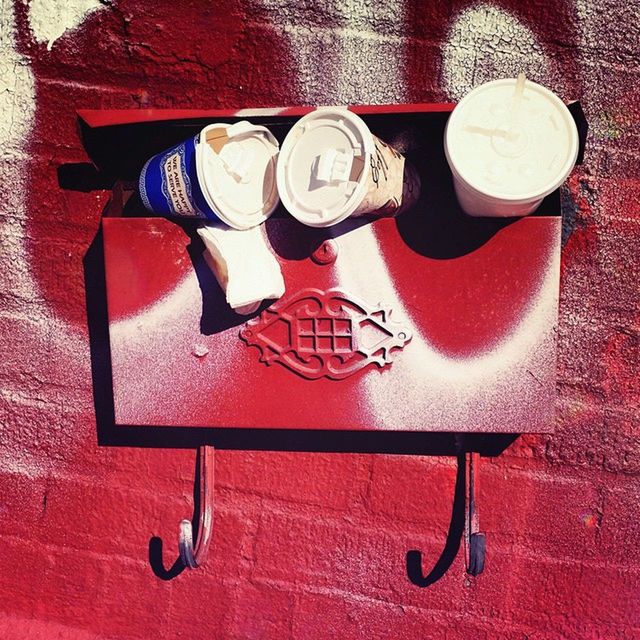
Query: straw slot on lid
point(333, 165)
point(323, 165)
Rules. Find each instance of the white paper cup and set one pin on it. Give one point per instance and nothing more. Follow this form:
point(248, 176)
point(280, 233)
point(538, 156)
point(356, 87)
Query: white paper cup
point(507, 151)
point(226, 173)
point(331, 167)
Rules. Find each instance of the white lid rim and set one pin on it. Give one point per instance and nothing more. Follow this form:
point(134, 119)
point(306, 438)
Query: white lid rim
point(549, 187)
point(252, 219)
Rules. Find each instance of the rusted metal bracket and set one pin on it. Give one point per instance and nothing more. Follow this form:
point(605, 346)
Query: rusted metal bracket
point(121, 192)
point(193, 556)
point(474, 540)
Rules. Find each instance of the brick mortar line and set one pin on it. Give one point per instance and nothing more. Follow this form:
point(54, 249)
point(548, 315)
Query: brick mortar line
point(73, 245)
point(358, 523)
point(77, 551)
point(16, 153)
point(528, 554)
point(77, 478)
point(447, 614)
point(280, 500)
point(426, 534)
point(461, 616)
point(581, 471)
point(90, 481)
point(308, 588)
point(594, 60)
point(514, 550)
point(230, 490)
point(403, 37)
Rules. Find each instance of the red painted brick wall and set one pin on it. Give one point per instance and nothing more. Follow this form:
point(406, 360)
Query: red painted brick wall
point(312, 545)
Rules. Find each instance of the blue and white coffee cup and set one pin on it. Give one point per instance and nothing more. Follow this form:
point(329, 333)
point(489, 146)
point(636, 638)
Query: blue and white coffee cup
point(226, 173)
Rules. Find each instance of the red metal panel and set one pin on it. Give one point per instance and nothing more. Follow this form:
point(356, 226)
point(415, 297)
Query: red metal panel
point(482, 356)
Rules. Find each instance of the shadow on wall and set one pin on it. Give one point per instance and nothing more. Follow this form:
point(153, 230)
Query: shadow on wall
point(454, 537)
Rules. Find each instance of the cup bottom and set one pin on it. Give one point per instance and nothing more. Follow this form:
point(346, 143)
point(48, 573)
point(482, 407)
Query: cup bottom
point(479, 205)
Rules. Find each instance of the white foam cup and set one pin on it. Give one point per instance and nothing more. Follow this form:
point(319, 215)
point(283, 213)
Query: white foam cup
point(509, 143)
point(331, 167)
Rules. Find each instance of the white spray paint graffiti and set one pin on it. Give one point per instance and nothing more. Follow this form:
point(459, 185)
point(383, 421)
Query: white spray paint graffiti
point(17, 109)
point(16, 88)
point(346, 61)
point(50, 19)
point(159, 343)
point(16, 114)
point(484, 379)
point(17, 105)
point(485, 43)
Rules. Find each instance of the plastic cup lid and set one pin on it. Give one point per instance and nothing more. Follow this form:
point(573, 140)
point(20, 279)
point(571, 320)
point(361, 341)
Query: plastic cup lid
point(323, 166)
point(236, 167)
point(511, 139)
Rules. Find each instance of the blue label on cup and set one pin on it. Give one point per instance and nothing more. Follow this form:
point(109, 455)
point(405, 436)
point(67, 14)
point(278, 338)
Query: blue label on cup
point(169, 183)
